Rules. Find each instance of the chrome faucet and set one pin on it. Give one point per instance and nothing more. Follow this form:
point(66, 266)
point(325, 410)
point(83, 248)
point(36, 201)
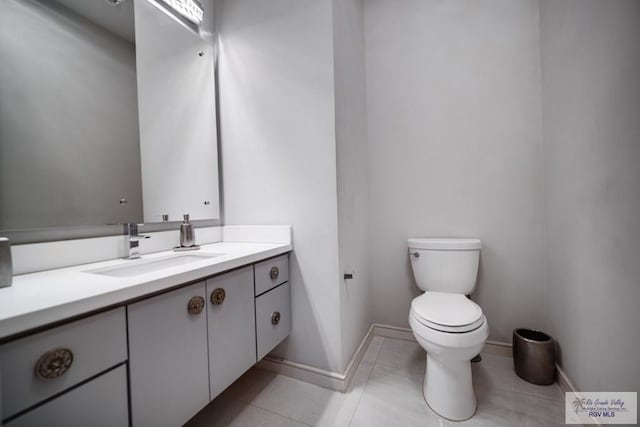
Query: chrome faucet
point(132, 242)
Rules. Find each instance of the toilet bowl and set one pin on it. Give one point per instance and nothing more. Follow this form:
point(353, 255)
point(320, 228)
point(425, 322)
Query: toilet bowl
point(450, 327)
point(447, 386)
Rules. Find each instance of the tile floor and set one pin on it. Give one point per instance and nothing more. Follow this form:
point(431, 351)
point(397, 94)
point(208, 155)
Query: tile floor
point(386, 391)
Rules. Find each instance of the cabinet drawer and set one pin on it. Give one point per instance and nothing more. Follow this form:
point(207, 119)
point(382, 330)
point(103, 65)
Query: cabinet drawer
point(273, 318)
point(84, 348)
point(102, 402)
point(271, 273)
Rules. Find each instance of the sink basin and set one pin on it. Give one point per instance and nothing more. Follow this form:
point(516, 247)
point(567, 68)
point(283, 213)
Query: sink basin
point(138, 267)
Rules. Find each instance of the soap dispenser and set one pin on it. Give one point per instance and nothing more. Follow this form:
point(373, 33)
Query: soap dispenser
point(187, 236)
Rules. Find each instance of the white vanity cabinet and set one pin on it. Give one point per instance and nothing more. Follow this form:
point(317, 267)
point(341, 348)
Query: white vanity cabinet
point(188, 345)
point(168, 366)
point(232, 330)
point(154, 361)
point(59, 363)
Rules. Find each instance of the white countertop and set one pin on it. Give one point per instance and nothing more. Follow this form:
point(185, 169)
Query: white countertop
point(37, 299)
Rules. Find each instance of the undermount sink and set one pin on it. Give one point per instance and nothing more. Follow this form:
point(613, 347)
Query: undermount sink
point(138, 267)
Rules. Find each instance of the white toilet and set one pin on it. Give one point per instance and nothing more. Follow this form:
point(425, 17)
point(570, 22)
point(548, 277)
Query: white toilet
point(448, 325)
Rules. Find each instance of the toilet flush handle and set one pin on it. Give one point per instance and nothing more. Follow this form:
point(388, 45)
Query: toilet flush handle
point(416, 254)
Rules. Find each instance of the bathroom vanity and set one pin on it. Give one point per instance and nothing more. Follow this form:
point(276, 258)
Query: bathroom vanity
point(113, 112)
point(143, 343)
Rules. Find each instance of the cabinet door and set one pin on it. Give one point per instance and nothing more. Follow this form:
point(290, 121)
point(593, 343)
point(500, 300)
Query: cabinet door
point(232, 327)
point(102, 402)
point(168, 357)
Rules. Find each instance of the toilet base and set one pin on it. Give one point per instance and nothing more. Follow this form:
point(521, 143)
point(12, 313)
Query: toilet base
point(448, 388)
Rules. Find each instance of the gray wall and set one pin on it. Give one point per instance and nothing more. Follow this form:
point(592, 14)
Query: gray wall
point(352, 169)
point(277, 119)
point(591, 91)
point(454, 116)
point(454, 147)
point(68, 120)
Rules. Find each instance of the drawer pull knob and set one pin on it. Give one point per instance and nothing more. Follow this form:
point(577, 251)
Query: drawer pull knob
point(196, 305)
point(217, 296)
point(275, 318)
point(274, 273)
point(54, 363)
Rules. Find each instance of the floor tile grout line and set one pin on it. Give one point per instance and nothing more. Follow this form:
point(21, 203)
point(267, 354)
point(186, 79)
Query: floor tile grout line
point(379, 351)
point(387, 365)
point(395, 368)
point(535, 396)
point(366, 384)
point(491, 368)
point(280, 415)
point(524, 393)
point(376, 354)
point(253, 404)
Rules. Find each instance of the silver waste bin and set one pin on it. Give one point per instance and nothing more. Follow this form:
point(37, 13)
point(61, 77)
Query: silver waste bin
point(534, 356)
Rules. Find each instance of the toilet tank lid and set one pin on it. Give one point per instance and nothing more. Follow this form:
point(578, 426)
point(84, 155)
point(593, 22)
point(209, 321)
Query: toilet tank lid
point(450, 244)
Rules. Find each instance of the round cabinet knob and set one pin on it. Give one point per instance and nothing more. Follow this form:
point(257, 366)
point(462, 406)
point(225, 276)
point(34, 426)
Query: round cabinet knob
point(196, 305)
point(217, 296)
point(274, 273)
point(416, 254)
point(275, 318)
point(54, 363)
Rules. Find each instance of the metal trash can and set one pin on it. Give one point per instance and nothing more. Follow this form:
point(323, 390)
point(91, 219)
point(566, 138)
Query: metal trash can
point(534, 356)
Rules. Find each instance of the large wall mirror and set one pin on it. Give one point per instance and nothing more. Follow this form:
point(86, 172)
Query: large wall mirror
point(107, 116)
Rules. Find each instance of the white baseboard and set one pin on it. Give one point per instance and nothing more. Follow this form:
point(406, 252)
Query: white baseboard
point(505, 349)
point(354, 363)
point(320, 377)
point(564, 382)
point(497, 348)
point(566, 385)
point(394, 332)
point(341, 381)
point(306, 373)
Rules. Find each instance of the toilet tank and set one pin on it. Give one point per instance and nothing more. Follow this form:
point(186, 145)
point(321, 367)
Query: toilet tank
point(445, 264)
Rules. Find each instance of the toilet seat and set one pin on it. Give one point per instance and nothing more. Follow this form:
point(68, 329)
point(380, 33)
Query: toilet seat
point(450, 329)
point(445, 312)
